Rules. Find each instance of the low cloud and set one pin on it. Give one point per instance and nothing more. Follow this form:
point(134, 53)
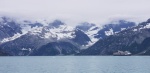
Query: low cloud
point(76, 11)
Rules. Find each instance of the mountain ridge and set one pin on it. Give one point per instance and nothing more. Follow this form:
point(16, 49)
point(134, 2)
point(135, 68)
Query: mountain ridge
point(132, 40)
point(34, 36)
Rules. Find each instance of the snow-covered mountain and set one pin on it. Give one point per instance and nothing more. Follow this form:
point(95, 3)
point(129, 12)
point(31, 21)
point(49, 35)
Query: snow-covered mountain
point(135, 40)
point(114, 27)
point(96, 32)
point(33, 36)
point(91, 30)
point(8, 28)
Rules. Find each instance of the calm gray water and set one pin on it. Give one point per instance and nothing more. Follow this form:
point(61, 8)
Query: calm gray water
point(75, 64)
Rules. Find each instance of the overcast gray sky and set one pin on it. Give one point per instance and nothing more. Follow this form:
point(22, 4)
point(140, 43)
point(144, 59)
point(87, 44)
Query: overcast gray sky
point(75, 11)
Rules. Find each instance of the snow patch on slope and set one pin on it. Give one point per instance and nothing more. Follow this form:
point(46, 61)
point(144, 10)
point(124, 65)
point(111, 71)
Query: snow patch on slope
point(91, 33)
point(134, 29)
point(110, 32)
point(123, 29)
point(63, 31)
point(147, 26)
point(17, 35)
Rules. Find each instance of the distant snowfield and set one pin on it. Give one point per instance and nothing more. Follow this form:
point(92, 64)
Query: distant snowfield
point(58, 32)
point(47, 31)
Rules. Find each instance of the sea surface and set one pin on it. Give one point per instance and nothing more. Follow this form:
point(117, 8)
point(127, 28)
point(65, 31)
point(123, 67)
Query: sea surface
point(75, 64)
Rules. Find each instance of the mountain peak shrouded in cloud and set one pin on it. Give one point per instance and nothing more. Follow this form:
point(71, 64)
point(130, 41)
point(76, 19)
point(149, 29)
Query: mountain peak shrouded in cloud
point(85, 26)
point(56, 23)
point(5, 19)
point(148, 21)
